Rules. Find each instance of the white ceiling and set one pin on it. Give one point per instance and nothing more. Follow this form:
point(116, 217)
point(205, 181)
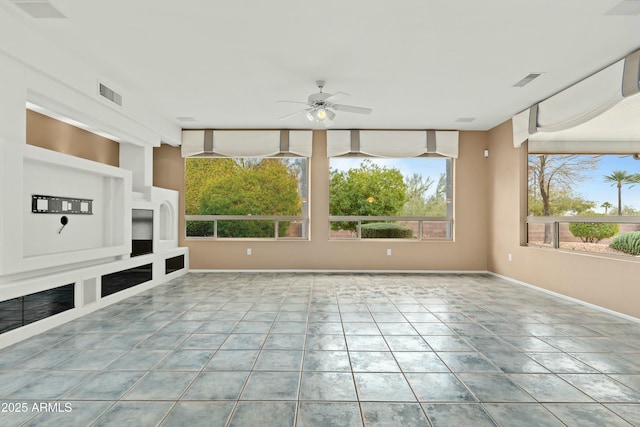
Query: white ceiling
point(420, 64)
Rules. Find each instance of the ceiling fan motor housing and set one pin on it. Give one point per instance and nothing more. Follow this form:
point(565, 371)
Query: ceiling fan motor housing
point(318, 98)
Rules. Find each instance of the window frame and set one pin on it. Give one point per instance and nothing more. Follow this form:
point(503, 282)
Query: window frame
point(214, 219)
point(556, 221)
point(449, 219)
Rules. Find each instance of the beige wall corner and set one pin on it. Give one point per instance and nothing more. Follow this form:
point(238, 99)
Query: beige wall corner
point(611, 283)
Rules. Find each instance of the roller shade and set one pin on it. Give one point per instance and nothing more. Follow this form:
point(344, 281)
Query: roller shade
point(582, 102)
point(250, 143)
point(392, 144)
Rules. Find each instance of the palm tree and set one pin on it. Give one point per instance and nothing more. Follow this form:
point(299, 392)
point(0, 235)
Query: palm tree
point(620, 178)
point(606, 206)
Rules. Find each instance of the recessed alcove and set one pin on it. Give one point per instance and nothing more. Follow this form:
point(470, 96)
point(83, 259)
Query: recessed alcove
point(17, 312)
point(125, 279)
point(141, 232)
point(166, 221)
point(89, 291)
point(173, 264)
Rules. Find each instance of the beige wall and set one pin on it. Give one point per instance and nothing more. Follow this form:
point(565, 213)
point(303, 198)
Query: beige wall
point(606, 282)
point(488, 218)
point(52, 134)
point(467, 252)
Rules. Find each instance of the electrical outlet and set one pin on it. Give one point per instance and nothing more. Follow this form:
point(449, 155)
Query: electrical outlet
point(510, 257)
point(388, 252)
point(248, 251)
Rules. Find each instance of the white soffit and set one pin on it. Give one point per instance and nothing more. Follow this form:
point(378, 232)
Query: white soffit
point(583, 101)
point(603, 107)
point(621, 123)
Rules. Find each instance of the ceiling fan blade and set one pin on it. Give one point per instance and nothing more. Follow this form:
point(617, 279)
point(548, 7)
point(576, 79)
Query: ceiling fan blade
point(336, 95)
point(293, 102)
point(351, 109)
point(295, 113)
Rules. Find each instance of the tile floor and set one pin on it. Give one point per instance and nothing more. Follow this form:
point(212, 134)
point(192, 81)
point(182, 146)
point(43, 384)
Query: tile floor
point(329, 350)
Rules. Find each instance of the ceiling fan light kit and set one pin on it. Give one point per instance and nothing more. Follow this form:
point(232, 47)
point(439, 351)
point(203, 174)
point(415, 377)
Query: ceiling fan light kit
point(321, 106)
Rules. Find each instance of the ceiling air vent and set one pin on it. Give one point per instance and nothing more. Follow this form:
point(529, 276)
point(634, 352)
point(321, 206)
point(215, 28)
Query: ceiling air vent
point(528, 79)
point(110, 94)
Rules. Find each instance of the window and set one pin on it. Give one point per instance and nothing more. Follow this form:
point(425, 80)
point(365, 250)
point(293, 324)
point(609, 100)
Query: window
point(584, 202)
point(405, 198)
point(249, 197)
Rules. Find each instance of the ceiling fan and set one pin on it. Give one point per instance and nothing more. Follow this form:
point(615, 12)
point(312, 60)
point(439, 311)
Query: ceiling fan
point(321, 106)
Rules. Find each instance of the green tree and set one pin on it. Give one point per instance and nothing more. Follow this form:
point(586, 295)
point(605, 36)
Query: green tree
point(437, 202)
point(368, 190)
point(200, 174)
point(560, 203)
point(256, 187)
point(551, 173)
point(620, 178)
point(606, 206)
point(630, 211)
point(417, 188)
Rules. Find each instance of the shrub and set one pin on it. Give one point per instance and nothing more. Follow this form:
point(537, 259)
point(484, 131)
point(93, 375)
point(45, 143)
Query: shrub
point(593, 232)
point(385, 230)
point(199, 228)
point(628, 243)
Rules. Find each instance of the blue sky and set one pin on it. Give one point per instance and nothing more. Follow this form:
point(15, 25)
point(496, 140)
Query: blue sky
point(597, 189)
point(594, 188)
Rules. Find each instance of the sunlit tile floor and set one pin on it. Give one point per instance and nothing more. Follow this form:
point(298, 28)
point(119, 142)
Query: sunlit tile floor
point(329, 350)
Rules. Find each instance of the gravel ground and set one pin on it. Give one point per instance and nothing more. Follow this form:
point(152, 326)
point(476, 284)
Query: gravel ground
point(590, 247)
point(585, 247)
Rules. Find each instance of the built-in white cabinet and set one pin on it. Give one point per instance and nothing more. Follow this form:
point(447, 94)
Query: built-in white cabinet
point(67, 227)
point(35, 239)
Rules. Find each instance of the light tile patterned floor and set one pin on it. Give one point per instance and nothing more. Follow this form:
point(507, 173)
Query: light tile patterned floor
point(329, 350)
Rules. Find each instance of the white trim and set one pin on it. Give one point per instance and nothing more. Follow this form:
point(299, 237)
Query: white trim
point(339, 271)
point(566, 297)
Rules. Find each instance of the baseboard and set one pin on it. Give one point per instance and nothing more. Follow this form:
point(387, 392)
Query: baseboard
point(339, 271)
point(565, 297)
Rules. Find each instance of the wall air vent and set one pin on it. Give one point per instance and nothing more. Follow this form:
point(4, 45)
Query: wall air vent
point(110, 94)
point(39, 9)
point(528, 79)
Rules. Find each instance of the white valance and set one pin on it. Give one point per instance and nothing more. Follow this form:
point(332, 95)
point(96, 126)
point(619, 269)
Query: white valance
point(246, 143)
point(391, 144)
point(581, 102)
point(583, 147)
